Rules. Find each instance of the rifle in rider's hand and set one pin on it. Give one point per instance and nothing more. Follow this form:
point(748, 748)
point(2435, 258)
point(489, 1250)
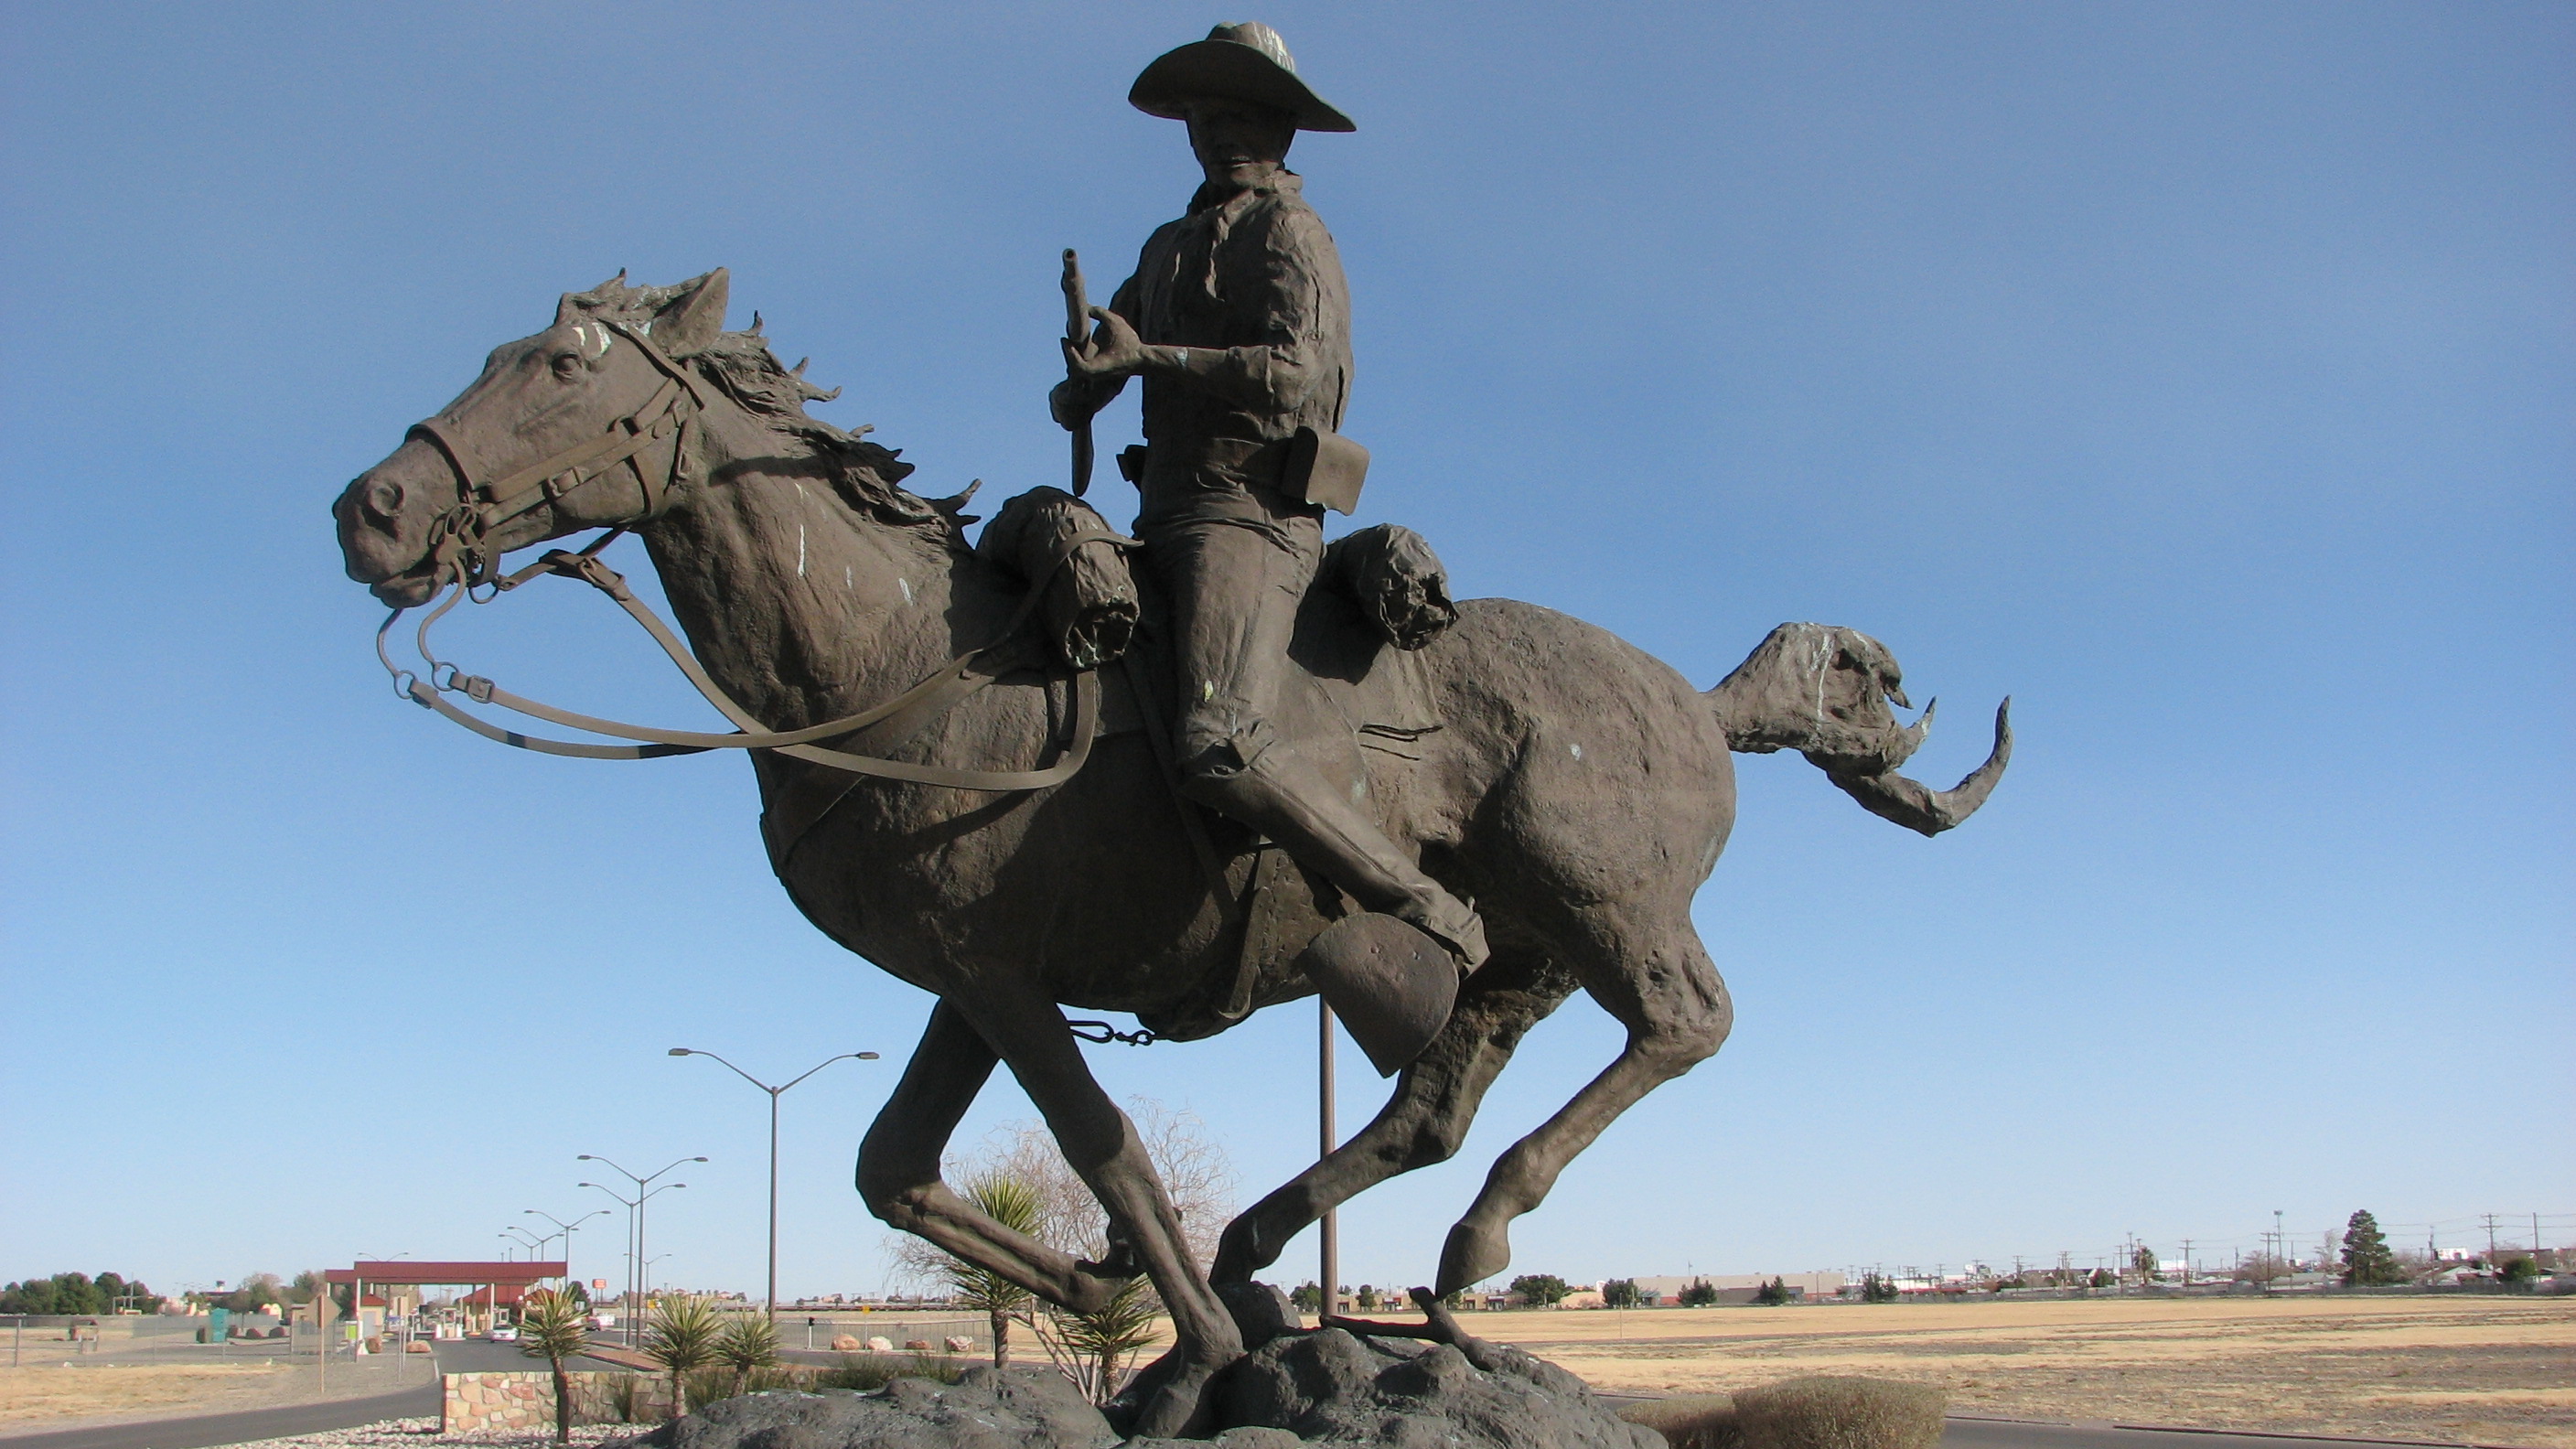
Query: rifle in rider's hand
point(1077, 322)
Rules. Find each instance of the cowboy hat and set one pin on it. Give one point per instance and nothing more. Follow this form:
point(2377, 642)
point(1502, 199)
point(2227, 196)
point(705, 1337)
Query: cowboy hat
point(1243, 61)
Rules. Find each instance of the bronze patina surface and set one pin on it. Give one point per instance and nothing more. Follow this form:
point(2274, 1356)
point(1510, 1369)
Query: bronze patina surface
point(1577, 790)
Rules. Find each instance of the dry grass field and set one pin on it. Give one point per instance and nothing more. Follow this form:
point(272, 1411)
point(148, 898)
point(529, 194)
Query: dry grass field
point(50, 1393)
point(2476, 1370)
point(45, 1395)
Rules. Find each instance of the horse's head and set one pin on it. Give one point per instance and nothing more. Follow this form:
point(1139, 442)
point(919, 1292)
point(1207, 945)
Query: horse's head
point(582, 425)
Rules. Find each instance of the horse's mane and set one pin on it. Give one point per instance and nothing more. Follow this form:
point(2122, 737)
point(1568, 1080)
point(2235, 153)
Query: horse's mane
point(740, 363)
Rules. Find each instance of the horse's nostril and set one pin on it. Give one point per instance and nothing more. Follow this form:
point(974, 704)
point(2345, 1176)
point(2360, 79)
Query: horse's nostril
point(384, 498)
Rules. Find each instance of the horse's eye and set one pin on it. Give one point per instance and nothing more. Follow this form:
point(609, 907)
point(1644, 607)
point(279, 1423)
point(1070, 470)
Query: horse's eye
point(568, 365)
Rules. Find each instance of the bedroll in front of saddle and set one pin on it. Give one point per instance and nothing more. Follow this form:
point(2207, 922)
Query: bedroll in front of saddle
point(1089, 614)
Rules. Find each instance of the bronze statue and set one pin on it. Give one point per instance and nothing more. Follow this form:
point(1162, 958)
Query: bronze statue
point(947, 797)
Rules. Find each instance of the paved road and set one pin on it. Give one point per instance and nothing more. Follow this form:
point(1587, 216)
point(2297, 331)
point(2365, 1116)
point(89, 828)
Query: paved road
point(482, 1356)
point(473, 1356)
point(420, 1401)
point(2017, 1434)
point(455, 1356)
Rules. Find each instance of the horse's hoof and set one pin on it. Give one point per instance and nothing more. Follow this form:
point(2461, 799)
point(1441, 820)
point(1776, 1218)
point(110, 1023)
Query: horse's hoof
point(1167, 1399)
point(1261, 1312)
point(1472, 1255)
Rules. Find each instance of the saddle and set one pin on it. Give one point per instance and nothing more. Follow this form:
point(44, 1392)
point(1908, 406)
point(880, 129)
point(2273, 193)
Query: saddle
point(1379, 596)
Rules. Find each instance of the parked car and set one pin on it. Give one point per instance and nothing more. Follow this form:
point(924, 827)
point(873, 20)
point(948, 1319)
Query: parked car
point(503, 1334)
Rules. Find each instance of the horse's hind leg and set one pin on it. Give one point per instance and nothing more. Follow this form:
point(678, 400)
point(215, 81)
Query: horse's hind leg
point(1424, 1119)
point(899, 1170)
point(1659, 983)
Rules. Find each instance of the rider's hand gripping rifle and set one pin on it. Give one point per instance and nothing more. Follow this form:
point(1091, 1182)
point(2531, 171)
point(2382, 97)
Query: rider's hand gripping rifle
point(1077, 322)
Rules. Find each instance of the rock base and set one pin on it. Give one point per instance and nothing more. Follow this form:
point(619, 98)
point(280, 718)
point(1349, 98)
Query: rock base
point(1328, 1387)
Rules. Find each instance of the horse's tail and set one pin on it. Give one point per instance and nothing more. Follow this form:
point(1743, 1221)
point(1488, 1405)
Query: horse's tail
point(1824, 691)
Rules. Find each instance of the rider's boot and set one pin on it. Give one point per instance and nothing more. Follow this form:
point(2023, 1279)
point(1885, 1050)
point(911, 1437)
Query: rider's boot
point(1289, 800)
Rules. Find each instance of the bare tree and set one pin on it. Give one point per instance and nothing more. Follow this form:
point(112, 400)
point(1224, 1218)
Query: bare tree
point(1194, 1169)
point(1059, 1210)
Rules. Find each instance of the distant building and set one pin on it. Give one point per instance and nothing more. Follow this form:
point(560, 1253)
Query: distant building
point(1666, 1291)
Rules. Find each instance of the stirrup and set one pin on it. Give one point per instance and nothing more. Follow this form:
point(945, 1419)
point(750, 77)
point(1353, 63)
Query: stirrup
point(1390, 982)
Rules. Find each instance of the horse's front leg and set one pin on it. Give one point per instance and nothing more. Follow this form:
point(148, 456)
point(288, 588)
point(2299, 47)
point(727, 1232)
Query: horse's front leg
point(899, 1170)
point(1101, 1144)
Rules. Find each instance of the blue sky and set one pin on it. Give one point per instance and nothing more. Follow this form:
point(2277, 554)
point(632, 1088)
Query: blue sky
point(2197, 374)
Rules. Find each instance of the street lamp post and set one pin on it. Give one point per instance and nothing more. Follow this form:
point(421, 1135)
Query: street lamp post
point(774, 1094)
point(565, 1230)
point(635, 1221)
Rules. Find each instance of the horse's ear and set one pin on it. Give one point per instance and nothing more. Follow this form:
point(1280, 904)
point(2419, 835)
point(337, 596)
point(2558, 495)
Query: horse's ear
point(691, 320)
point(577, 305)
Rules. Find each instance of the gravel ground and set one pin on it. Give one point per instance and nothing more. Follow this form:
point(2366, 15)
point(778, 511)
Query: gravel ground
point(423, 1434)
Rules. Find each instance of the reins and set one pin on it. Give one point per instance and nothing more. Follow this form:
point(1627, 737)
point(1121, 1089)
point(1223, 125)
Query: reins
point(457, 554)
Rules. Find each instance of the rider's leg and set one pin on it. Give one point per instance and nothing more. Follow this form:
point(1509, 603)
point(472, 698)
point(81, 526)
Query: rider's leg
point(1235, 585)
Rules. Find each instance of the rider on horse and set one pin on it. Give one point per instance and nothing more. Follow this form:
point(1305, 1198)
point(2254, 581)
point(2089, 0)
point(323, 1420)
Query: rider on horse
point(1238, 319)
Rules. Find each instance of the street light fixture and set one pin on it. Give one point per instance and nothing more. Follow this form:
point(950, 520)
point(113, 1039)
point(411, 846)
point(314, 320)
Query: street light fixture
point(774, 1094)
point(565, 1230)
point(634, 1225)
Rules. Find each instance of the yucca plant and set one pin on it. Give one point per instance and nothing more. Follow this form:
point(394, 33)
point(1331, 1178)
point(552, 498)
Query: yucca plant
point(682, 1336)
point(1097, 1346)
point(749, 1342)
point(551, 1328)
point(1015, 1203)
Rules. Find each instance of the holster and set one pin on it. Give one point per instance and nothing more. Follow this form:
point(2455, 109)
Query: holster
point(1313, 466)
point(1324, 468)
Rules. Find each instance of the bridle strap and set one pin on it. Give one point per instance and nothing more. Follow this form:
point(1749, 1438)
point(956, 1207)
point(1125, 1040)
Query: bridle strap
point(482, 507)
point(942, 690)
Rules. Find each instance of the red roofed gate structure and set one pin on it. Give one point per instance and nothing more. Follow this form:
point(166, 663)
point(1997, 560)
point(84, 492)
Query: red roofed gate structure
point(498, 1285)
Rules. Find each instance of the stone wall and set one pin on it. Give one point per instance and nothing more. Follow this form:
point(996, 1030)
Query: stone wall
point(476, 1403)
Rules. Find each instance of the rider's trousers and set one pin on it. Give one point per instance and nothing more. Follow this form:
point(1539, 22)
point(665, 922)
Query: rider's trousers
point(1235, 564)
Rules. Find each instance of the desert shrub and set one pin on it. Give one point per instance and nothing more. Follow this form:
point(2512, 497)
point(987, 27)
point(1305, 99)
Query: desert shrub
point(872, 1371)
point(681, 1337)
point(550, 1328)
point(1692, 1421)
point(622, 1396)
point(748, 1344)
point(1837, 1412)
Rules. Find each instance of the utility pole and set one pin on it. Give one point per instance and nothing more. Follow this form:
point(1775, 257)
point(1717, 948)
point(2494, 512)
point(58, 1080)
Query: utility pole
point(2280, 1242)
point(2491, 1247)
point(2186, 1262)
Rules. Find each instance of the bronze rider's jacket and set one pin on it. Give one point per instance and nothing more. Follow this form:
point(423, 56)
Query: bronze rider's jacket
point(1252, 283)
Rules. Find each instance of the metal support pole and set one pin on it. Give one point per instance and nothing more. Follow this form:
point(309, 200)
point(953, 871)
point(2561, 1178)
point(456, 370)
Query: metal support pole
point(772, 1313)
point(1330, 1227)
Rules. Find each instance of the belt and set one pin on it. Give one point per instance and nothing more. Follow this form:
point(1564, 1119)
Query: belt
point(1248, 461)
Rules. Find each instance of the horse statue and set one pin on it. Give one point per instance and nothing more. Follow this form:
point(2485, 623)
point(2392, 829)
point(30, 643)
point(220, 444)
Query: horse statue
point(1575, 788)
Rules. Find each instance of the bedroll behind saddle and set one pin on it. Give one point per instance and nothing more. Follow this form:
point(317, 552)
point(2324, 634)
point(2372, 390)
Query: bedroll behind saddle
point(1089, 615)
